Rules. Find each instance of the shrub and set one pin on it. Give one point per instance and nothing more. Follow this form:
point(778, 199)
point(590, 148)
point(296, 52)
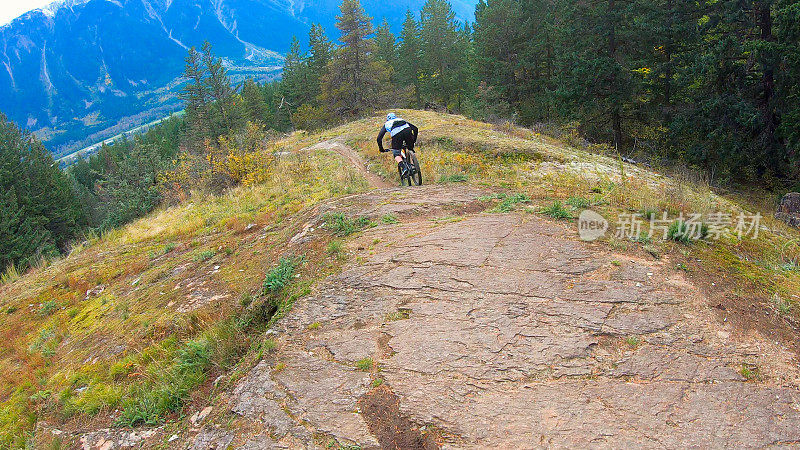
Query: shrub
point(278, 277)
point(310, 118)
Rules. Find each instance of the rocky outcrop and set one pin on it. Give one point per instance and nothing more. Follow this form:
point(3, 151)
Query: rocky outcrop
point(506, 331)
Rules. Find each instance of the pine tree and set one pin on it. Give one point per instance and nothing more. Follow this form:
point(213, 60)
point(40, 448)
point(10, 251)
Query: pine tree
point(225, 113)
point(38, 210)
point(514, 53)
point(293, 77)
point(443, 54)
point(355, 81)
point(409, 49)
point(196, 98)
point(385, 44)
point(787, 82)
point(320, 51)
point(595, 85)
point(255, 105)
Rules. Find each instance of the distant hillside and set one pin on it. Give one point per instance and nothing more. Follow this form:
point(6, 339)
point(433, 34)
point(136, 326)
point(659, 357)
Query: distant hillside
point(79, 71)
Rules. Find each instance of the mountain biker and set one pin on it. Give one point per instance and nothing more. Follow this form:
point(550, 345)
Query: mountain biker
point(402, 132)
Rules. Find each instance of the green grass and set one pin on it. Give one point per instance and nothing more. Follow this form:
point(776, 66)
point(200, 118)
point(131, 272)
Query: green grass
point(390, 219)
point(364, 364)
point(268, 345)
point(679, 231)
point(10, 275)
point(652, 250)
point(507, 203)
point(510, 203)
point(45, 343)
point(48, 308)
point(168, 385)
point(334, 248)
point(205, 255)
point(633, 341)
point(556, 211)
point(453, 178)
point(341, 225)
point(750, 372)
point(315, 326)
point(783, 305)
point(579, 202)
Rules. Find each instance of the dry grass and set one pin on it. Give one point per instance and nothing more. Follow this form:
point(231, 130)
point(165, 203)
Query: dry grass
point(88, 353)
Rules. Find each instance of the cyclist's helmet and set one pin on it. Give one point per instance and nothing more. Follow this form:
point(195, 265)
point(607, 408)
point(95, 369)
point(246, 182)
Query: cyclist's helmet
point(391, 116)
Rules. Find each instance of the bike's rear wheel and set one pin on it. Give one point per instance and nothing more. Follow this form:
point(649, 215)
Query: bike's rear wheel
point(416, 172)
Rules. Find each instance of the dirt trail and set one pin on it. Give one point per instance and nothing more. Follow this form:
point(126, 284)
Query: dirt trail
point(351, 155)
point(505, 331)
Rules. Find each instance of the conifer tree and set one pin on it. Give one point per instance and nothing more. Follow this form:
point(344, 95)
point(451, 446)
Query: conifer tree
point(385, 44)
point(409, 49)
point(196, 98)
point(320, 50)
point(443, 53)
point(225, 114)
point(38, 209)
point(355, 81)
point(255, 104)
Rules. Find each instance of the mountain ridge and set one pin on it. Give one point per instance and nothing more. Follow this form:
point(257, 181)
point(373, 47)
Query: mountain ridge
point(78, 71)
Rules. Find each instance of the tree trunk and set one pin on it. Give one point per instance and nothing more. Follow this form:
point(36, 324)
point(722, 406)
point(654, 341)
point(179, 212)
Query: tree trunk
point(616, 117)
point(768, 113)
point(616, 120)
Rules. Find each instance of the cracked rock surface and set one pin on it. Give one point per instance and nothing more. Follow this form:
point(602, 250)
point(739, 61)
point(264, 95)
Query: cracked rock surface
point(505, 331)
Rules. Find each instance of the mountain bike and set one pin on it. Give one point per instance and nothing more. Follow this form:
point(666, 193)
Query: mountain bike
point(414, 175)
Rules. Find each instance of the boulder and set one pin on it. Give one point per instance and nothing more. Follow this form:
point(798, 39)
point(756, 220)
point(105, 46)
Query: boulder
point(789, 209)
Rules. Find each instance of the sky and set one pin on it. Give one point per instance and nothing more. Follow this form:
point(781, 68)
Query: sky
point(11, 9)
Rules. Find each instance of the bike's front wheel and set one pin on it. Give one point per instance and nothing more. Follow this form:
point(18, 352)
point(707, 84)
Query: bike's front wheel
point(404, 180)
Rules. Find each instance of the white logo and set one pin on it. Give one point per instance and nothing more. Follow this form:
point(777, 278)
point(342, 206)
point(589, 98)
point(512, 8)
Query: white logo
point(591, 225)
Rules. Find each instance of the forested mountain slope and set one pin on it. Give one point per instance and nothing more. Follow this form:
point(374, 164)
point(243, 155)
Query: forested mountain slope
point(79, 71)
